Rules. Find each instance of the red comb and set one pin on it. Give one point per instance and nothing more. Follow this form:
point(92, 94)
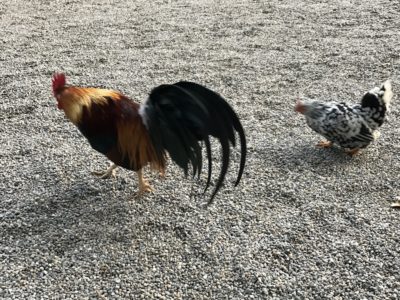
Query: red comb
point(58, 82)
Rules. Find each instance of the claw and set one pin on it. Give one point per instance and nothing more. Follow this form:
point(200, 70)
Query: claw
point(144, 186)
point(110, 172)
point(143, 189)
point(353, 152)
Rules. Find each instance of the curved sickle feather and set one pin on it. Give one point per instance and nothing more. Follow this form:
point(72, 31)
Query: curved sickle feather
point(181, 115)
point(230, 117)
point(209, 158)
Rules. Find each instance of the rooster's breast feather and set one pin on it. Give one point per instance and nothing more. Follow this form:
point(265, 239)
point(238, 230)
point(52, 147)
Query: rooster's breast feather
point(114, 128)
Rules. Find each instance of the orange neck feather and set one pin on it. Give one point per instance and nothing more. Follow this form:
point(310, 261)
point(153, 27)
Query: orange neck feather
point(74, 99)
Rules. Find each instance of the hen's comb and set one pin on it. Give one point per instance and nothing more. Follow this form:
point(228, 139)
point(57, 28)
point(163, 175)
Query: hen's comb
point(58, 82)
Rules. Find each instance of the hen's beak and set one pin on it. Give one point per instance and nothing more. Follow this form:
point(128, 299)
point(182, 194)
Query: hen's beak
point(299, 107)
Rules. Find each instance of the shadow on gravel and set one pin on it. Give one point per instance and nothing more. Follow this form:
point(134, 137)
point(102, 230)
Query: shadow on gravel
point(308, 158)
point(70, 219)
point(314, 157)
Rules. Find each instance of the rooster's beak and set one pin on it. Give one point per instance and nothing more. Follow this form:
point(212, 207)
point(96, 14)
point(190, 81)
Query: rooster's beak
point(59, 106)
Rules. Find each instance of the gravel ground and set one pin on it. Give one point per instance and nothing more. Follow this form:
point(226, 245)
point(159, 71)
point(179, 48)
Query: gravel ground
point(303, 223)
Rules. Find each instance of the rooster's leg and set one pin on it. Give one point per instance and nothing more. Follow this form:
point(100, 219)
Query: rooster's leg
point(144, 186)
point(353, 152)
point(324, 144)
point(110, 172)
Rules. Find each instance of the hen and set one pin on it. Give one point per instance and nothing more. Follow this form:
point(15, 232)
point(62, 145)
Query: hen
point(352, 127)
point(175, 119)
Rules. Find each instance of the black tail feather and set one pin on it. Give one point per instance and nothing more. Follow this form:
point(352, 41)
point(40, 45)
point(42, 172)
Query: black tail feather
point(243, 153)
point(209, 157)
point(230, 117)
point(181, 115)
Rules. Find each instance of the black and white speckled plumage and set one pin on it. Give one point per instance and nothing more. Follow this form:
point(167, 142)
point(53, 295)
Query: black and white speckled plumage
point(349, 126)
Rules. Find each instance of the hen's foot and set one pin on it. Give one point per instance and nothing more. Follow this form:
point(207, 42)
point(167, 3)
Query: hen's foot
point(324, 144)
point(353, 152)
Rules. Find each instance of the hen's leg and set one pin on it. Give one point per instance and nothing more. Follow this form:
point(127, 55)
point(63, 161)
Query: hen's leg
point(144, 186)
point(324, 144)
point(110, 172)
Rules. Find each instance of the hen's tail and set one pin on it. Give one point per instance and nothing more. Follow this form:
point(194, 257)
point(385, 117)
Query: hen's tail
point(378, 96)
point(388, 93)
point(180, 115)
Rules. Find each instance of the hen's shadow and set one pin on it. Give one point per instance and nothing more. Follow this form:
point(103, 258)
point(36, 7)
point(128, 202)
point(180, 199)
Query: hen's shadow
point(311, 157)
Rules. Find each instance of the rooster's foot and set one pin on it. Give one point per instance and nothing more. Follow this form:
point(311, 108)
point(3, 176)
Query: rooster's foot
point(110, 172)
point(144, 186)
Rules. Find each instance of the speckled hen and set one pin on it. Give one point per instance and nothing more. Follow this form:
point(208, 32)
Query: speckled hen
point(352, 127)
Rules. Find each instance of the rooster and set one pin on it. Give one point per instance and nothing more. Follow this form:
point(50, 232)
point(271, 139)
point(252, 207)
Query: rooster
point(352, 127)
point(175, 119)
